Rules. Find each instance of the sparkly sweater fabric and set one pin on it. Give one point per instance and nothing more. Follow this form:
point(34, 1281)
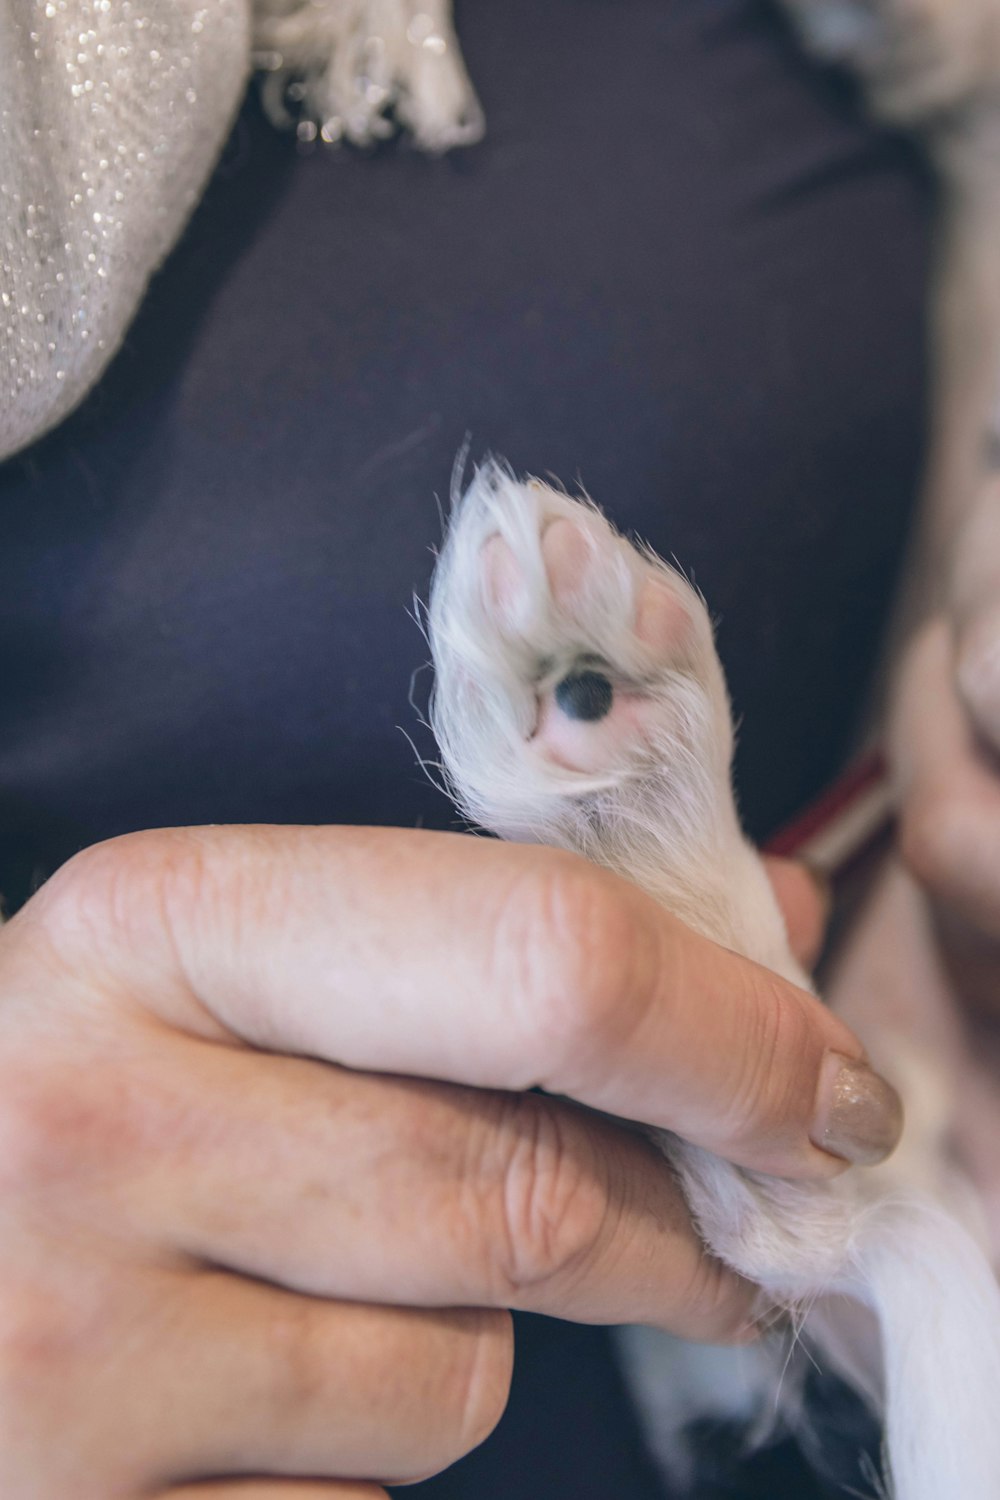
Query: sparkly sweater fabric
point(111, 117)
point(112, 113)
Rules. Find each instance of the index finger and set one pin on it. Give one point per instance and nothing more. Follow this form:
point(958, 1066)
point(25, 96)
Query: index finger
point(450, 957)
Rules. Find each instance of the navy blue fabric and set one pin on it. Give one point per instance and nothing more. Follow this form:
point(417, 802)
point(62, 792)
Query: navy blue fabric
point(570, 1433)
point(680, 269)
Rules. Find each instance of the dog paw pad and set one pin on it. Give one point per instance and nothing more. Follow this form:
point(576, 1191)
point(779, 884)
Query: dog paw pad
point(563, 651)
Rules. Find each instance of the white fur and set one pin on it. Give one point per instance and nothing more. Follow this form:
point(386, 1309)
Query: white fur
point(933, 67)
point(920, 59)
point(647, 793)
point(355, 62)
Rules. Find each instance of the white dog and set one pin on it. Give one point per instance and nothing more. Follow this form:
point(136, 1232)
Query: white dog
point(579, 702)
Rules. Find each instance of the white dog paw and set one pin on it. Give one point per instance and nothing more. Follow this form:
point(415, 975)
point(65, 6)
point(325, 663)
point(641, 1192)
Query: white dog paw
point(568, 663)
point(600, 622)
point(918, 58)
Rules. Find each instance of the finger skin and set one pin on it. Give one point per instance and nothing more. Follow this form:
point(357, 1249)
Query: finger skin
point(973, 606)
point(268, 1489)
point(973, 582)
point(949, 789)
point(432, 1195)
point(298, 1386)
point(178, 1375)
point(444, 956)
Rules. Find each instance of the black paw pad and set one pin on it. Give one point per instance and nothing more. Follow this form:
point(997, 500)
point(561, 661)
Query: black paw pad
point(585, 695)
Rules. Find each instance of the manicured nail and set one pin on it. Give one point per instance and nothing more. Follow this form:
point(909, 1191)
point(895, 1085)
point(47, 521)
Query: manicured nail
point(859, 1116)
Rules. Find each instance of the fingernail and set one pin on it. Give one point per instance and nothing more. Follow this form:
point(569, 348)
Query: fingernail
point(859, 1116)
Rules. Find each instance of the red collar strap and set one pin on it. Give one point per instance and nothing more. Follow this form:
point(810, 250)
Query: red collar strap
point(843, 822)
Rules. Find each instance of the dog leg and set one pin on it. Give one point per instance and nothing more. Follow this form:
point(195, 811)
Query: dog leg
point(579, 702)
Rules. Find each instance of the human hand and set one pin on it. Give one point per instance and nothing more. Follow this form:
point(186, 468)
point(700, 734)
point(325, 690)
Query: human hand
point(945, 752)
point(919, 974)
point(237, 1223)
